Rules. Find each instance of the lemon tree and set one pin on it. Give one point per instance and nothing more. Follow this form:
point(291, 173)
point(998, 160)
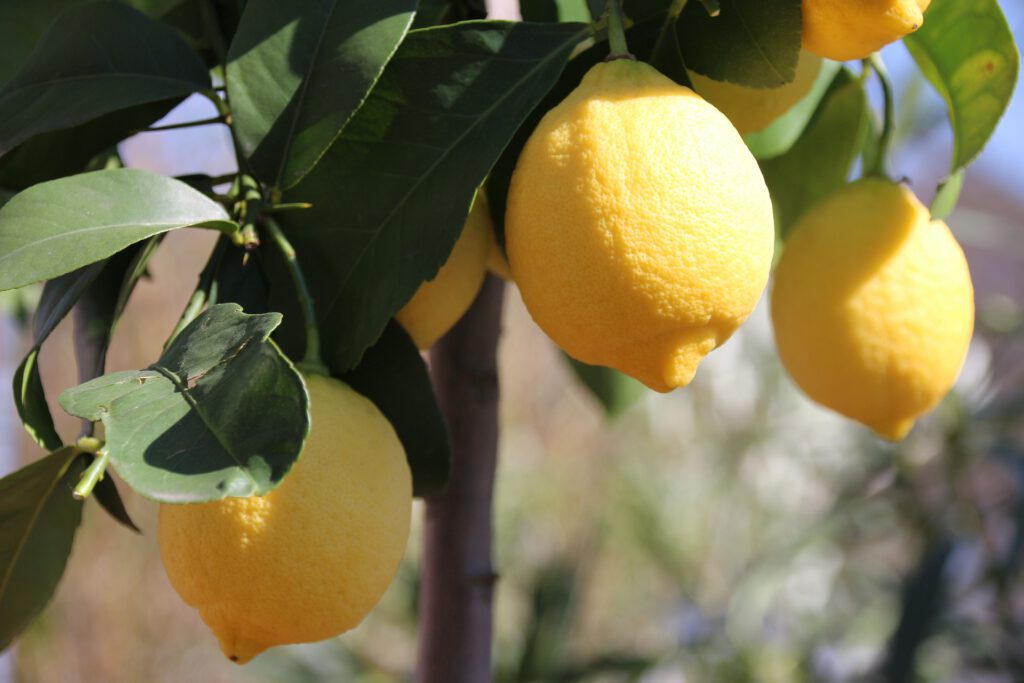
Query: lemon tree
point(633, 167)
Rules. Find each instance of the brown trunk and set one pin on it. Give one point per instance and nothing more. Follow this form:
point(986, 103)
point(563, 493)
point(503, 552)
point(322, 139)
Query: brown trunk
point(458, 577)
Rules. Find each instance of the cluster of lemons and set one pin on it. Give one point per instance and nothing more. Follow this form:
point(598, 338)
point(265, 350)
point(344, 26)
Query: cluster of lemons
point(640, 233)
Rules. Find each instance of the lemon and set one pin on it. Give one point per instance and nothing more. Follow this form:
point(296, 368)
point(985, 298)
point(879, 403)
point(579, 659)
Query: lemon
point(639, 229)
point(310, 559)
point(439, 303)
point(873, 306)
point(853, 29)
point(752, 109)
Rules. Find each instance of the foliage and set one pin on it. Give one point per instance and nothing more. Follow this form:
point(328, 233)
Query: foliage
point(362, 130)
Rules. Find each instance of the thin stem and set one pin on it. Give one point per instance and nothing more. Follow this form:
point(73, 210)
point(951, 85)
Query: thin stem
point(312, 361)
point(889, 116)
point(185, 124)
point(92, 475)
point(617, 32)
point(289, 206)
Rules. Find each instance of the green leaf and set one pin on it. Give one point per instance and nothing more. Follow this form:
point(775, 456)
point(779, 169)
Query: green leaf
point(966, 50)
point(820, 161)
point(30, 402)
point(58, 297)
point(94, 59)
point(784, 131)
point(947, 195)
point(222, 413)
point(393, 375)
point(58, 226)
point(69, 151)
point(411, 160)
point(298, 70)
point(614, 391)
point(751, 42)
point(38, 520)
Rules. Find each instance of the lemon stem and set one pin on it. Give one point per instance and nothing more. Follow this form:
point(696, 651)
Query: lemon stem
point(617, 32)
point(888, 116)
point(312, 361)
point(92, 475)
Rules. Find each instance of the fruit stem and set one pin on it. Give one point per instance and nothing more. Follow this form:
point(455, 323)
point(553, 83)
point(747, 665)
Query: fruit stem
point(617, 32)
point(889, 116)
point(312, 361)
point(92, 475)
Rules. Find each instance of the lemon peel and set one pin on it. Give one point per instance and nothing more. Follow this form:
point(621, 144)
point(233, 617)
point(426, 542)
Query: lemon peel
point(639, 229)
point(872, 306)
point(311, 558)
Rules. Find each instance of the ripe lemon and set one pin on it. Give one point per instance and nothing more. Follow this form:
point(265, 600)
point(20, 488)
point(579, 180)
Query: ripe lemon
point(439, 303)
point(873, 306)
point(752, 109)
point(639, 229)
point(853, 29)
point(311, 558)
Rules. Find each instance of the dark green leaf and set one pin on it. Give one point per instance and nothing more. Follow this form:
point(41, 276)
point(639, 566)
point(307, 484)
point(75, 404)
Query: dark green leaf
point(411, 160)
point(751, 42)
point(298, 70)
point(222, 413)
point(136, 270)
point(38, 520)
point(58, 298)
point(106, 494)
point(947, 195)
point(819, 163)
point(431, 13)
point(30, 402)
point(95, 59)
point(666, 55)
point(66, 152)
point(97, 310)
point(784, 131)
point(393, 375)
point(554, 10)
point(615, 391)
point(967, 51)
point(241, 280)
point(55, 227)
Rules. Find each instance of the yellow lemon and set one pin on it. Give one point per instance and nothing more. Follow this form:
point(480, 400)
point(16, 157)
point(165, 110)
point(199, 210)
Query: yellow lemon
point(752, 109)
point(853, 29)
point(639, 228)
point(311, 558)
point(439, 303)
point(873, 306)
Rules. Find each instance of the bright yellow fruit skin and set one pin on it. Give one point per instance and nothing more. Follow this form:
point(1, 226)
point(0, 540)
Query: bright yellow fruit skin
point(310, 559)
point(752, 109)
point(853, 29)
point(873, 306)
point(639, 229)
point(439, 303)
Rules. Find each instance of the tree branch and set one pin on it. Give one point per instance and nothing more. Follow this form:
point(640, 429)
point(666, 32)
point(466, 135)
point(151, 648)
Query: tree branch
point(458, 576)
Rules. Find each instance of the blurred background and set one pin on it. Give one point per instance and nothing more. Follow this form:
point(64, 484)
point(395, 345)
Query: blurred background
point(731, 531)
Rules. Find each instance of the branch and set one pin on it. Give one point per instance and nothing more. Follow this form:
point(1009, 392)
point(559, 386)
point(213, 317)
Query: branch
point(458, 576)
